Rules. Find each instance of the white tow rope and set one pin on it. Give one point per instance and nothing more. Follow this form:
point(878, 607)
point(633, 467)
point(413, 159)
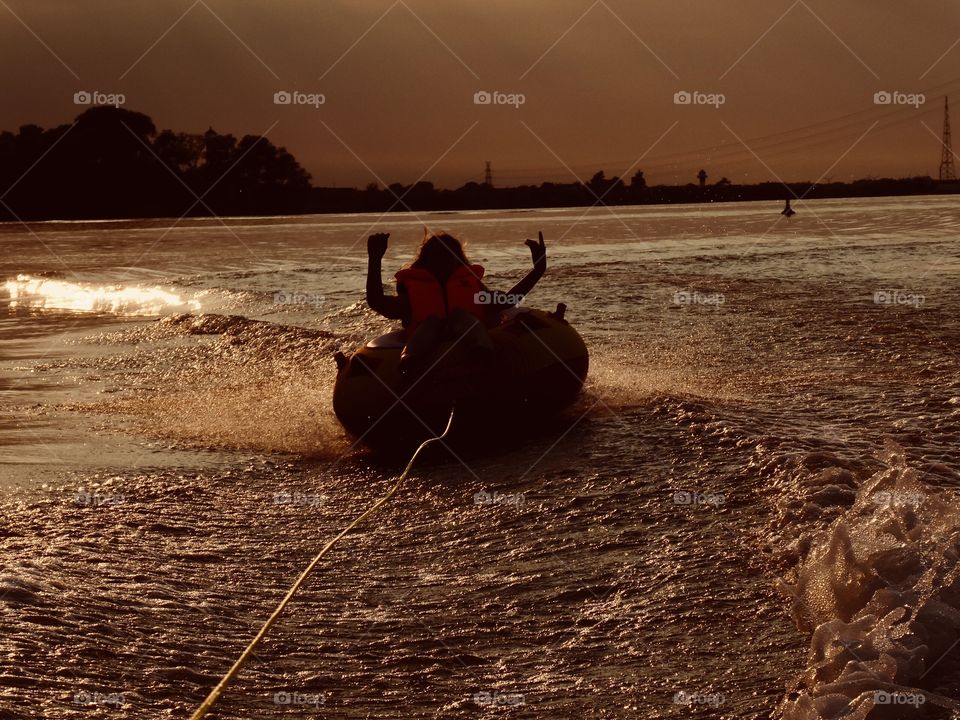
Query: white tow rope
point(238, 665)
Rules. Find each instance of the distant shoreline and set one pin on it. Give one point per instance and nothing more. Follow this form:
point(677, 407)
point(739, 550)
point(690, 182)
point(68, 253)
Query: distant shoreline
point(113, 164)
point(582, 195)
point(728, 198)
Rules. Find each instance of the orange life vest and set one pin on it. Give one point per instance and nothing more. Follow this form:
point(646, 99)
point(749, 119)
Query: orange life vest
point(427, 297)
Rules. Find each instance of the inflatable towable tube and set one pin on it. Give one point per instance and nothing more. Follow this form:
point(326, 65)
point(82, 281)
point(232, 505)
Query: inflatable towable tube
point(539, 368)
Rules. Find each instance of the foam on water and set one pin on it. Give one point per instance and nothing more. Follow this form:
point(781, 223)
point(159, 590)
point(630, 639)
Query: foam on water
point(28, 291)
point(248, 385)
point(267, 387)
point(874, 578)
point(623, 379)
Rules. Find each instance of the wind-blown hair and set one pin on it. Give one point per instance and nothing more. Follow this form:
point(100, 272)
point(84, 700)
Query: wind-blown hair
point(441, 254)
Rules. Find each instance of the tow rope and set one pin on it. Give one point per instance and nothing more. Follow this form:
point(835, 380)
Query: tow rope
point(238, 665)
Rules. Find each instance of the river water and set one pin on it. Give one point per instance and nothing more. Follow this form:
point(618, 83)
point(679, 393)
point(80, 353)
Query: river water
point(751, 512)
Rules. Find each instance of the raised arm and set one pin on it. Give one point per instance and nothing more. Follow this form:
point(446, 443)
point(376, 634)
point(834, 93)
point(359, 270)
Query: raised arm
point(390, 306)
point(539, 252)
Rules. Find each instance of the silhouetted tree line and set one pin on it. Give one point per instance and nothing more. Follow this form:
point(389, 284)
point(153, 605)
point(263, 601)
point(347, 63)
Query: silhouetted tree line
point(600, 189)
point(112, 163)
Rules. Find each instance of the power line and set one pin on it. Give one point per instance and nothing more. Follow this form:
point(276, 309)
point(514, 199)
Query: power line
point(786, 142)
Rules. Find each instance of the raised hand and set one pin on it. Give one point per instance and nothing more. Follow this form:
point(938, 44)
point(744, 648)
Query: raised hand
point(538, 251)
point(377, 245)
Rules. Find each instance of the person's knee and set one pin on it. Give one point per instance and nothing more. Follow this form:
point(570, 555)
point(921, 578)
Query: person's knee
point(427, 334)
point(460, 321)
point(428, 328)
point(431, 323)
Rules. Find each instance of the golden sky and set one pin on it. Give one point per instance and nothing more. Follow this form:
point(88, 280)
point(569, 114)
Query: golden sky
point(787, 87)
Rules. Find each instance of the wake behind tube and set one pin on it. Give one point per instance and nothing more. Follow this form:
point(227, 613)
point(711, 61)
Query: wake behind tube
point(215, 694)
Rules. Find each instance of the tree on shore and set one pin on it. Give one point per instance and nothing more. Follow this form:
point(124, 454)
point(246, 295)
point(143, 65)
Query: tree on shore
point(112, 162)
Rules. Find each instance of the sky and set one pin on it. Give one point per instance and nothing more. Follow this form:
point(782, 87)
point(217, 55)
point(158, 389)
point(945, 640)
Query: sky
point(779, 89)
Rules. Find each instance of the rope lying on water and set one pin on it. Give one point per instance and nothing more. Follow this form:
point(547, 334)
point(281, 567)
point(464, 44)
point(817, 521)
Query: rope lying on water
point(238, 665)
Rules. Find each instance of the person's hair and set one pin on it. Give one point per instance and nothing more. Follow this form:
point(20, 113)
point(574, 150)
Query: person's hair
point(441, 254)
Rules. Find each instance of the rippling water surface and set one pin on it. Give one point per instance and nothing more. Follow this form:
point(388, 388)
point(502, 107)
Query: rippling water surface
point(750, 513)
